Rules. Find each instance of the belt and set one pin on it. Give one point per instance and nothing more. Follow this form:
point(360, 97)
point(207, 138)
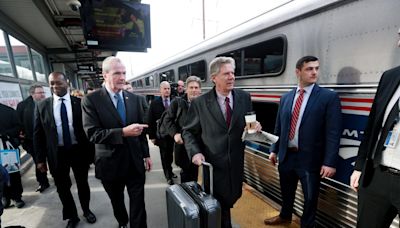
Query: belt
point(293, 149)
point(390, 170)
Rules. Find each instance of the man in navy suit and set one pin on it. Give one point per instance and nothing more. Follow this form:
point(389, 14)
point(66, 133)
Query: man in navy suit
point(309, 125)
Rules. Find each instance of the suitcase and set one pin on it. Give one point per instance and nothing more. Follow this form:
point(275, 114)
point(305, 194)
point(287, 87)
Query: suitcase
point(187, 199)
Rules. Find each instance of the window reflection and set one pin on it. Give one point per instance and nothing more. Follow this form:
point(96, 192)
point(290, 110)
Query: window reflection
point(5, 66)
point(39, 66)
point(21, 58)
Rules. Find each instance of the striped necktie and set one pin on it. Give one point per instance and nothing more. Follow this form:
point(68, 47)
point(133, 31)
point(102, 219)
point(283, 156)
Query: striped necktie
point(295, 114)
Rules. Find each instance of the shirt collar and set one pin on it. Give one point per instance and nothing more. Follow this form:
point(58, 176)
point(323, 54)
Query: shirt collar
point(307, 89)
point(222, 97)
point(111, 92)
point(66, 97)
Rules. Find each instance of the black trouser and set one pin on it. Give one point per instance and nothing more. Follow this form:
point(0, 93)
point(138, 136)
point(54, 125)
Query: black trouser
point(189, 173)
point(14, 190)
point(67, 159)
point(289, 176)
point(1, 194)
point(379, 202)
point(166, 146)
point(134, 183)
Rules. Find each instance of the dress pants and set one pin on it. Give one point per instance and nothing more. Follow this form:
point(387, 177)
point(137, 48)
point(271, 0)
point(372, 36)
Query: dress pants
point(379, 202)
point(41, 178)
point(14, 190)
point(166, 146)
point(67, 159)
point(134, 182)
point(289, 174)
point(225, 217)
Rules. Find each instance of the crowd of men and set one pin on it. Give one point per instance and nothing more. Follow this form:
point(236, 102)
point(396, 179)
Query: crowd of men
point(108, 127)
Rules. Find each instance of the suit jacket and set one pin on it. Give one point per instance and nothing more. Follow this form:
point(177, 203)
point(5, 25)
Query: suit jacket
point(319, 132)
point(45, 137)
point(369, 153)
point(206, 132)
point(103, 126)
point(155, 111)
point(26, 112)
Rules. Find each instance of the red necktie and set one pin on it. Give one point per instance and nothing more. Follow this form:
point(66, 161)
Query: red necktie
point(228, 112)
point(295, 114)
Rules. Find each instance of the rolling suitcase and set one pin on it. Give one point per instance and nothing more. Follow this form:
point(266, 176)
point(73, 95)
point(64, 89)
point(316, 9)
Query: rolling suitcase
point(184, 200)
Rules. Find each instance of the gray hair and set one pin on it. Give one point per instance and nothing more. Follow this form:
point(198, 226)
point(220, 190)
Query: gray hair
point(108, 61)
point(216, 64)
point(193, 78)
point(33, 88)
point(164, 83)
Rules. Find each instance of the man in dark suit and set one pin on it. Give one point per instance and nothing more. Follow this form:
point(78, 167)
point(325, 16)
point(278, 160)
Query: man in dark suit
point(166, 144)
point(377, 168)
point(26, 113)
point(59, 139)
point(213, 131)
point(9, 132)
point(114, 121)
point(309, 126)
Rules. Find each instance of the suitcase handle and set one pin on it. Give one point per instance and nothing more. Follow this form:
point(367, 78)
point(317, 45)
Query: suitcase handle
point(210, 167)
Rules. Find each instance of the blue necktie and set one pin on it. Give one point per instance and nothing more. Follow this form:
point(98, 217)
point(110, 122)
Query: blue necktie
point(120, 108)
point(65, 126)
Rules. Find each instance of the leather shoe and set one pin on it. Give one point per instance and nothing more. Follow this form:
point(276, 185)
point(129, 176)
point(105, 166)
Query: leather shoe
point(277, 220)
point(170, 182)
point(19, 203)
point(90, 217)
point(42, 187)
point(72, 222)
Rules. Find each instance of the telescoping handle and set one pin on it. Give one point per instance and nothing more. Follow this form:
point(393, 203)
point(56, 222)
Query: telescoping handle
point(211, 177)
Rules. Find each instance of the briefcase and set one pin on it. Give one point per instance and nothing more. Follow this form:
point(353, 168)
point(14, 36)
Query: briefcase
point(184, 200)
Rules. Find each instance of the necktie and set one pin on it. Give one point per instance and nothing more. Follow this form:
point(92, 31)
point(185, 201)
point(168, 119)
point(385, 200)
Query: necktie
point(295, 114)
point(65, 126)
point(228, 111)
point(120, 108)
point(166, 105)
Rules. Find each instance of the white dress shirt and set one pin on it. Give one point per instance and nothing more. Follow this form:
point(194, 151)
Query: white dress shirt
point(306, 96)
point(57, 118)
point(221, 102)
point(111, 94)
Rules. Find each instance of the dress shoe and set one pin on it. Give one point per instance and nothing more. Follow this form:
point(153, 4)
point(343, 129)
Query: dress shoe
point(170, 182)
point(277, 220)
point(6, 202)
point(73, 222)
point(42, 187)
point(90, 217)
point(19, 203)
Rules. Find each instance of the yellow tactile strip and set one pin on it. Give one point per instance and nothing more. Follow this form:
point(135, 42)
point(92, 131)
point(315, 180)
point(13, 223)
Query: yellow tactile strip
point(252, 208)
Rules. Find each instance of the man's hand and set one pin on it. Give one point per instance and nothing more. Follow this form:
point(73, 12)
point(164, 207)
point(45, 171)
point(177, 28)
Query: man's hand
point(133, 129)
point(178, 138)
point(198, 158)
point(42, 167)
point(354, 180)
point(327, 171)
point(148, 164)
point(273, 158)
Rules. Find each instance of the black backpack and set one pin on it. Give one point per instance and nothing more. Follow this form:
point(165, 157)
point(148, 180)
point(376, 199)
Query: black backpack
point(162, 131)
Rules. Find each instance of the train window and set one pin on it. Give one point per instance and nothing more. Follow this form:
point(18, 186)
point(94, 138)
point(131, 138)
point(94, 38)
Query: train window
point(147, 81)
point(262, 59)
point(134, 84)
point(38, 63)
point(197, 68)
point(5, 66)
point(237, 56)
point(21, 58)
point(168, 76)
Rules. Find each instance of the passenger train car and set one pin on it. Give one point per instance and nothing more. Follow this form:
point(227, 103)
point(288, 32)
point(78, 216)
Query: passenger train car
point(355, 41)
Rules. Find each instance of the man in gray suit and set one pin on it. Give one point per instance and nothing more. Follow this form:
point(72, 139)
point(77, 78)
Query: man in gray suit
point(113, 120)
point(213, 132)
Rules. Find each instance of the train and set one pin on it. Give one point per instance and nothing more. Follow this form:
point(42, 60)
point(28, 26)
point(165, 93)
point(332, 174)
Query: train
point(355, 41)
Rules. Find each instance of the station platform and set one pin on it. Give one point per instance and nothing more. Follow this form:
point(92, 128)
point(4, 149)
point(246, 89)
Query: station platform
point(43, 210)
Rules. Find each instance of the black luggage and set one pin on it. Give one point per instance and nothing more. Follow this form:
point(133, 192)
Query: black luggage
point(188, 205)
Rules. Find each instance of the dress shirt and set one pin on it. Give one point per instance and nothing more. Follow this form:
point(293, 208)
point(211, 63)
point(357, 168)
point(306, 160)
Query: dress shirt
point(306, 96)
point(111, 94)
point(391, 156)
point(221, 102)
point(57, 118)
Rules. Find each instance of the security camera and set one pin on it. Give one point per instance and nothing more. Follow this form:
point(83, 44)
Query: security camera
point(74, 5)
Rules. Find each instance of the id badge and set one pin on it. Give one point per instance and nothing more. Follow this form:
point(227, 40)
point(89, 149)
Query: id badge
point(391, 139)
